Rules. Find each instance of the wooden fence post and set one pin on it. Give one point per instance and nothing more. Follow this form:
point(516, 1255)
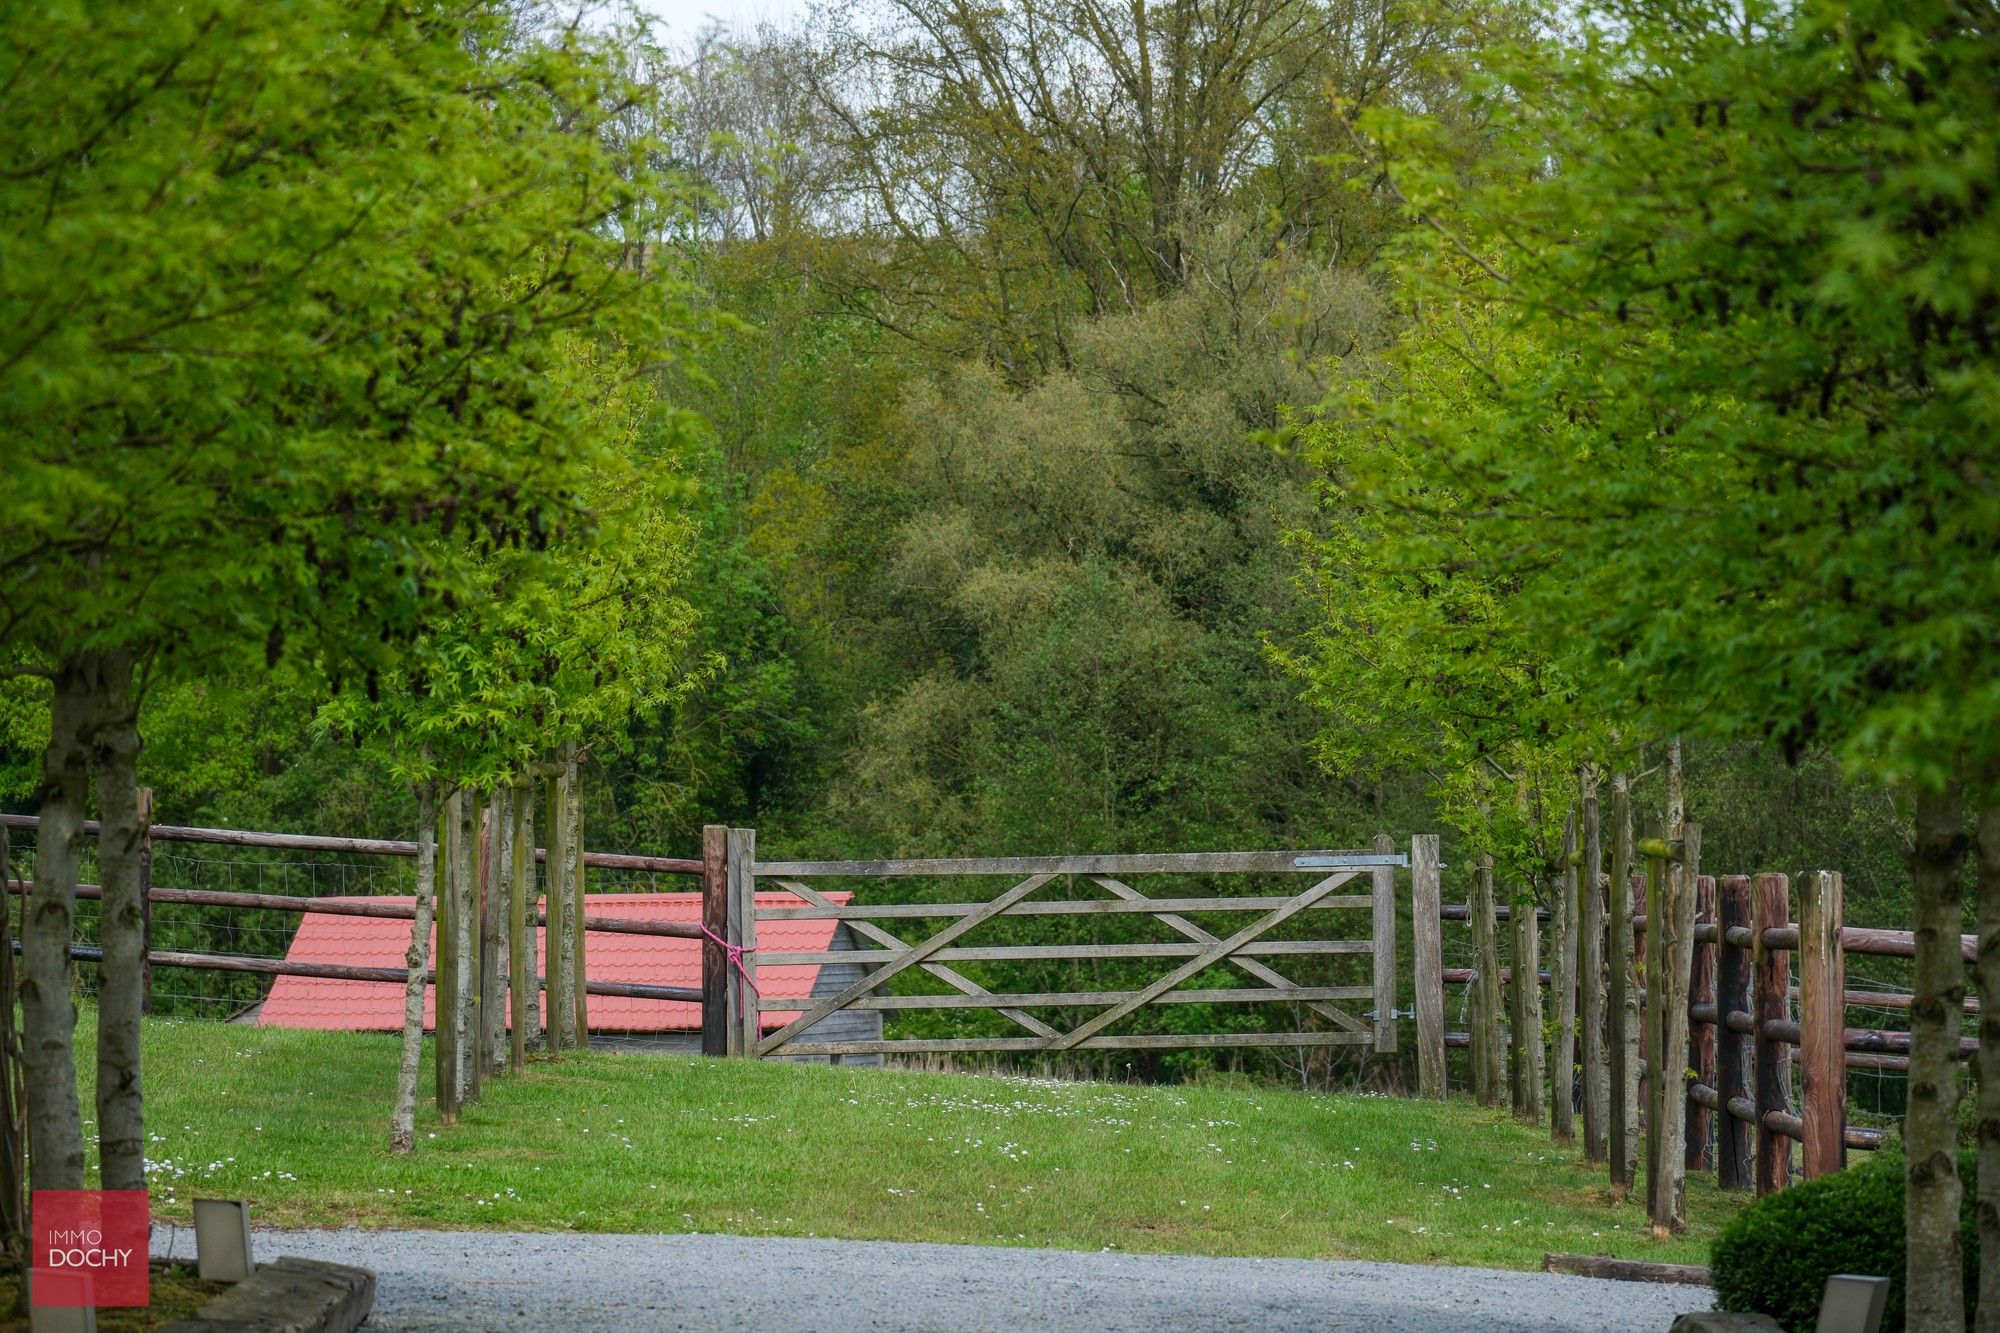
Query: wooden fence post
point(1772, 988)
point(716, 974)
point(1567, 923)
point(1676, 963)
point(1823, 1024)
point(1624, 999)
point(1590, 988)
point(1733, 1169)
point(521, 960)
point(559, 1023)
point(579, 961)
point(1384, 885)
point(1528, 1006)
point(1427, 945)
point(1701, 1031)
point(145, 815)
point(1486, 989)
point(743, 934)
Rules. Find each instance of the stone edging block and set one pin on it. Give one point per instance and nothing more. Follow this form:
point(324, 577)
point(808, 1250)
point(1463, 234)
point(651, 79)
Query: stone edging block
point(292, 1295)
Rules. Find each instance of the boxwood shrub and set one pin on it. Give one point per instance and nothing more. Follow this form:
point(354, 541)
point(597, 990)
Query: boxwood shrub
point(1775, 1256)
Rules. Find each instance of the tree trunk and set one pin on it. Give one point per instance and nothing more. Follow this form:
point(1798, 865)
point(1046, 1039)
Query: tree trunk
point(444, 995)
point(578, 955)
point(1933, 1280)
point(465, 947)
point(522, 962)
point(559, 1004)
point(1624, 1123)
point(496, 875)
point(1987, 976)
point(121, 976)
point(403, 1120)
point(13, 1100)
point(1486, 1002)
point(1590, 979)
point(1566, 925)
point(48, 1015)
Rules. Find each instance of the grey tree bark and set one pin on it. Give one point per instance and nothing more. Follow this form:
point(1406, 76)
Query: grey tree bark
point(465, 950)
point(403, 1118)
point(1932, 1282)
point(121, 992)
point(1566, 924)
point(48, 1015)
point(1590, 979)
point(578, 958)
point(1986, 975)
point(495, 879)
point(559, 1020)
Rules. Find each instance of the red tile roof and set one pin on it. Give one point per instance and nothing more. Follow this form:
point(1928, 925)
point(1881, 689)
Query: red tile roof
point(377, 1006)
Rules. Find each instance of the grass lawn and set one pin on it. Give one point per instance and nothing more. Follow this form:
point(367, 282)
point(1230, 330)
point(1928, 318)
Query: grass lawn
point(297, 1122)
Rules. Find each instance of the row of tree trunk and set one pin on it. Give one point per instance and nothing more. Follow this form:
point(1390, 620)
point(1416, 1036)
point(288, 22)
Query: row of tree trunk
point(477, 885)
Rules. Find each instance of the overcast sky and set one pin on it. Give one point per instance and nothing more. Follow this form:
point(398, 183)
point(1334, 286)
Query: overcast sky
point(684, 17)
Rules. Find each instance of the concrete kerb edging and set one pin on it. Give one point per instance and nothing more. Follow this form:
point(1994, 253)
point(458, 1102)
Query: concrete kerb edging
point(292, 1295)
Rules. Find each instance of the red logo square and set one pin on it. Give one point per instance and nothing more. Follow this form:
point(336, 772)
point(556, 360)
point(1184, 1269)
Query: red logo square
point(90, 1247)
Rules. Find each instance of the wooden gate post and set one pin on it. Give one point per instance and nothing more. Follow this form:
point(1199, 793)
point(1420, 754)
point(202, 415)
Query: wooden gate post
point(1383, 948)
point(523, 995)
point(1770, 1002)
point(1654, 847)
point(716, 974)
point(1823, 1024)
point(559, 1001)
point(1733, 1169)
point(743, 934)
point(579, 953)
point(1427, 944)
point(1704, 1018)
point(1486, 993)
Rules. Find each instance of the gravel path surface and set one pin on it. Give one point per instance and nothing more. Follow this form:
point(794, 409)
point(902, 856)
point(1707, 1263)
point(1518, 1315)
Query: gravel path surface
point(505, 1281)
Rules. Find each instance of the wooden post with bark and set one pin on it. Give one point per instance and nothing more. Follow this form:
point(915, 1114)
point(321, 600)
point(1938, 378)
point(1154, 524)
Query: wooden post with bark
point(14, 1221)
point(1653, 847)
point(1676, 956)
point(716, 974)
point(743, 935)
point(1383, 892)
point(1702, 1031)
point(1771, 1003)
point(559, 1025)
point(1822, 1025)
point(1734, 1168)
point(1427, 948)
point(1590, 978)
point(1623, 1008)
point(523, 994)
point(1486, 1064)
point(1527, 993)
point(578, 885)
point(1567, 923)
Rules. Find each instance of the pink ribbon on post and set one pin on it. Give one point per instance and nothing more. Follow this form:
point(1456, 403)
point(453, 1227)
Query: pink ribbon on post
point(735, 953)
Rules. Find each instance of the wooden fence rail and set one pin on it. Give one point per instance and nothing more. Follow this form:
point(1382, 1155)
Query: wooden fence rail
point(1759, 992)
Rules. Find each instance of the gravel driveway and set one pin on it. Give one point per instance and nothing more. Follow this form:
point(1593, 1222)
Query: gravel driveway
point(462, 1280)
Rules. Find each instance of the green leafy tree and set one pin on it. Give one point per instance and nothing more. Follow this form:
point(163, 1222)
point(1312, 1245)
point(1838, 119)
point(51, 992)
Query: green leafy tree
point(1752, 477)
point(282, 293)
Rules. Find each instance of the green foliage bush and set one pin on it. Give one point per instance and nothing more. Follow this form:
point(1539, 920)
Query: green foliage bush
point(1776, 1255)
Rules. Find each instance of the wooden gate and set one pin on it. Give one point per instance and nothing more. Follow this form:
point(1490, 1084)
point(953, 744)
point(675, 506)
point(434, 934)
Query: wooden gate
point(1095, 886)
